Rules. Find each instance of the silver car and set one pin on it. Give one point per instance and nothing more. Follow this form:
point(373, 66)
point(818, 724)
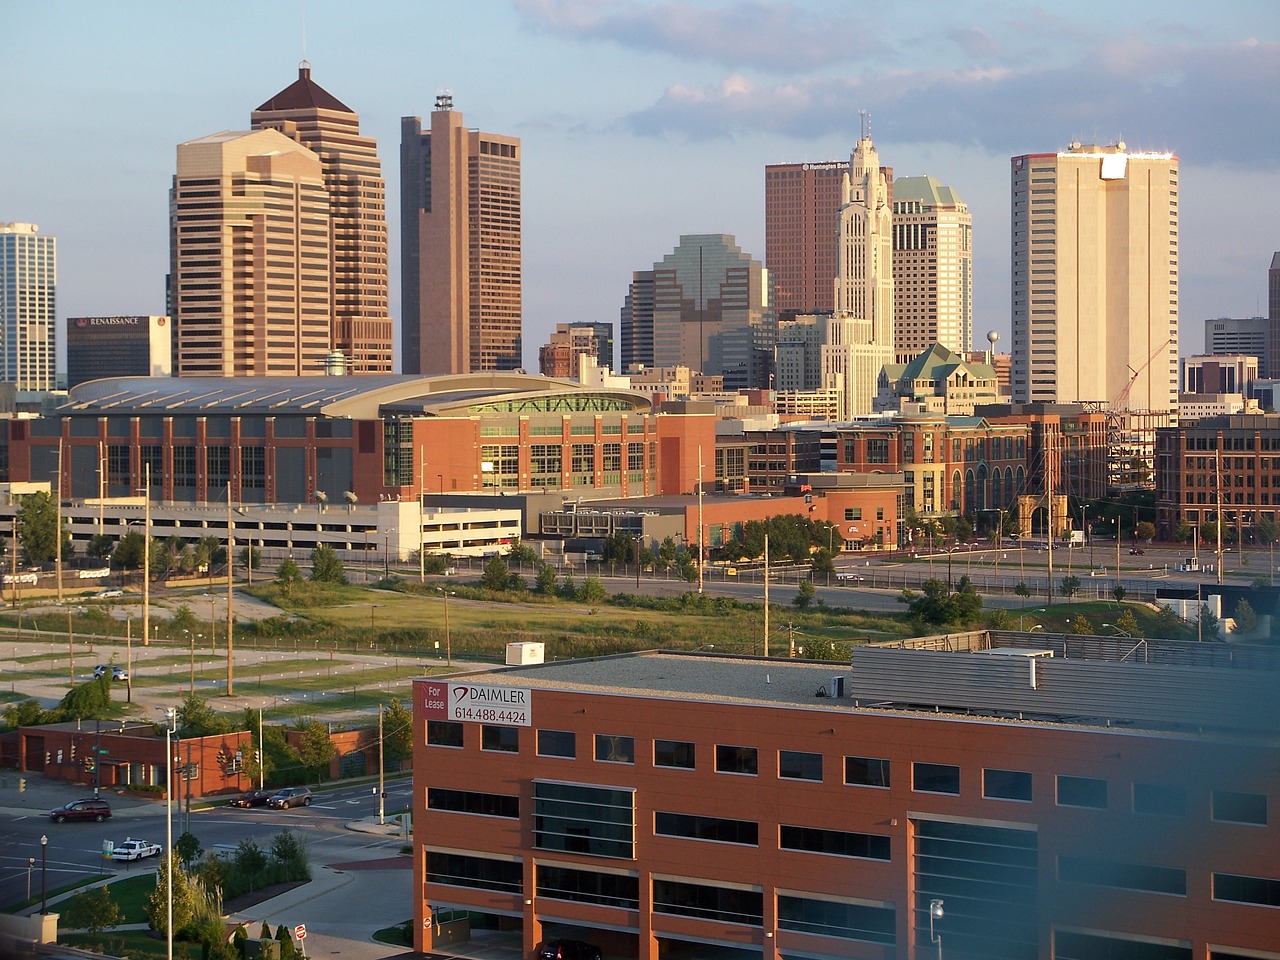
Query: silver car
point(290, 797)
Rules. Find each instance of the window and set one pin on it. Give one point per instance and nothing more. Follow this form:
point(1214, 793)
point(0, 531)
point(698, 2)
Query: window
point(580, 818)
point(469, 801)
point(557, 743)
point(444, 733)
point(503, 739)
point(935, 778)
point(725, 904)
point(673, 753)
point(1232, 807)
point(866, 772)
point(1086, 946)
point(793, 765)
point(1006, 785)
point(459, 870)
point(833, 918)
point(586, 886)
point(1261, 891)
point(840, 843)
point(719, 829)
point(731, 759)
point(1127, 876)
point(1159, 800)
point(1082, 792)
point(614, 749)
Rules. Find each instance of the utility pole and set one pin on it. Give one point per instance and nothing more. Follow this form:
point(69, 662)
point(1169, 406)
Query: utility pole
point(231, 544)
point(422, 479)
point(146, 563)
point(381, 791)
point(57, 551)
point(766, 595)
point(262, 755)
point(701, 555)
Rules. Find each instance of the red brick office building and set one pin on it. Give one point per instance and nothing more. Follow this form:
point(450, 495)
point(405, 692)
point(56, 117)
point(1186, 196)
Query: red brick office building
point(1014, 806)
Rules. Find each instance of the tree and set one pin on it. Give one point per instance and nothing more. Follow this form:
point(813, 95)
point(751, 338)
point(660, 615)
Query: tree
point(326, 565)
point(1145, 530)
point(287, 949)
point(197, 719)
point(938, 606)
point(1081, 626)
point(1119, 593)
point(128, 554)
point(522, 555)
point(183, 899)
point(1128, 623)
point(38, 528)
point(397, 733)
point(593, 591)
point(805, 594)
point(183, 619)
point(1183, 532)
point(290, 851)
point(999, 619)
point(1246, 619)
point(1022, 589)
point(99, 546)
point(1267, 529)
point(26, 713)
point(316, 750)
point(1070, 586)
point(250, 862)
point(497, 574)
point(188, 849)
point(1207, 623)
point(823, 561)
point(288, 574)
point(92, 911)
point(250, 558)
point(544, 582)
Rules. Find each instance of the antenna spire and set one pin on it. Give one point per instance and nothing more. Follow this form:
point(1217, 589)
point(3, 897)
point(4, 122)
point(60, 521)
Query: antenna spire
point(864, 117)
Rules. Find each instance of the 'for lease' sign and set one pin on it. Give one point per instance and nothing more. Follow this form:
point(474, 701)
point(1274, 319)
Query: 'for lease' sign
point(480, 702)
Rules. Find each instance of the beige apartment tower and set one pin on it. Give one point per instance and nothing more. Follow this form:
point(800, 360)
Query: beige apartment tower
point(361, 322)
point(1095, 278)
point(250, 268)
point(460, 247)
point(932, 269)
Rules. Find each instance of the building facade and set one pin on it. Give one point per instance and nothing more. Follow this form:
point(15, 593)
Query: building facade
point(352, 172)
point(28, 302)
point(1095, 278)
point(250, 270)
point(1247, 335)
point(118, 347)
point(708, 306)
point(460, 249)
point(801, 227)
point(937, 381)
point(558, 357)
point(1219, 373)
point(932, 268)
point(910, 803)
point(860, 333)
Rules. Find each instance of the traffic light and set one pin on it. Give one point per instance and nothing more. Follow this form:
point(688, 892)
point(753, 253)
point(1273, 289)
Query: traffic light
point(73, 752)
point(22, 784)
point(48, 757)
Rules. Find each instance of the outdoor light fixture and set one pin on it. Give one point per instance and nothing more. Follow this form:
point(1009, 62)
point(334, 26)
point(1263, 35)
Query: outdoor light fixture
point(935, 913)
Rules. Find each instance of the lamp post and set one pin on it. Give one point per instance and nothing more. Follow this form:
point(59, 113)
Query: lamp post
point(935, 913)
point(44, 874)
point(170, 728)
point(31, 864)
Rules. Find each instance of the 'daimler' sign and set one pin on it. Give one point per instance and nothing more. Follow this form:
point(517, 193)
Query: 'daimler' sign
point(480, 702)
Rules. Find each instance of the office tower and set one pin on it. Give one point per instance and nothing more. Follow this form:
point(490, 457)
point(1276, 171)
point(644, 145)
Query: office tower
point(932, 268)
point(99, 347)
point(460, 246)
point(308, 114)
point(1095, 278)
point(706, 306)
point(28, 282)
point(558, 357)
point(1236, 335)
point(799, 353)
point(801, 225)
point(860, 334)
point(1272, 364)
point(251, 273)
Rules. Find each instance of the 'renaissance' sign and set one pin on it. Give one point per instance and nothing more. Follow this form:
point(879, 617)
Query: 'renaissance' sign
point(479, 702)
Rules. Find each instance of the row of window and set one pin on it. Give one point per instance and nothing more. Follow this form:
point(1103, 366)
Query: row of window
point(1228, 806)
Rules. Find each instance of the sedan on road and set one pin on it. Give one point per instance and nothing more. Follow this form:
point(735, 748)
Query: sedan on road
point(253, 798)
point(290, 797)
point(133, 849)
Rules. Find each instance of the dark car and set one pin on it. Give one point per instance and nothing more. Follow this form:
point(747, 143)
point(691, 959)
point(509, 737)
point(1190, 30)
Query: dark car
point(290, 797)
point(253, 798)
point(98, 810)
point(568, 950)
point(1137, 552)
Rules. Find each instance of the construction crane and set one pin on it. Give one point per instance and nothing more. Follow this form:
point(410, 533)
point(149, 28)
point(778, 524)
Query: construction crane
point(1131, 434)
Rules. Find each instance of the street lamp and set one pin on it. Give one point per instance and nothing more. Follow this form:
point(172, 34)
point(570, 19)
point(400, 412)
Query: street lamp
point(1120, 631)
point(935, 913)
point(31, 863)
point(170, 728)
point(44, 873)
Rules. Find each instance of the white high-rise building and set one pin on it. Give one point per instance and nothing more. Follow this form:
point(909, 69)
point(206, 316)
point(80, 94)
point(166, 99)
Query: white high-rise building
point(860, 334)
point(1095, 278)
point(28, 327)
point(932, 269)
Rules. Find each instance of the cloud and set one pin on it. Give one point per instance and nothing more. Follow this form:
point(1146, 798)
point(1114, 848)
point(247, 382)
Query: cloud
point(761, 34)
point(975, 42)
point(1209, 103)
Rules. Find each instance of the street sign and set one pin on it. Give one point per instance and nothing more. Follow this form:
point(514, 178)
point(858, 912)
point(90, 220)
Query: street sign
point(107, 847)
point(300, 931)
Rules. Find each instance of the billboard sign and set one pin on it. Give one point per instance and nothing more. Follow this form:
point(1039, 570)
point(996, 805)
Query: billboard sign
point(478, 702)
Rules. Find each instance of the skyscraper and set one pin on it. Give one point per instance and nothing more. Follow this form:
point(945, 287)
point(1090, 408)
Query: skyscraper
point(100, 347)
point(460, 247)
point(28, 327)
point(251, 268)
point(311, 116)
point(1271, 366)
point(1095, 278)
point(860, 335)
point(801, 226)
point(932, 268)
point(706, 306)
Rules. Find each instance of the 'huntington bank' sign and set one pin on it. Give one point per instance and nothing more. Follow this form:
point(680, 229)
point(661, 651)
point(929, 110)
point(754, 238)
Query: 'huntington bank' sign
point(479, 702)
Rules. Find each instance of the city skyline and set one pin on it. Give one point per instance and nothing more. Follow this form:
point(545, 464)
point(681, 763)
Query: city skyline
point(645, 122)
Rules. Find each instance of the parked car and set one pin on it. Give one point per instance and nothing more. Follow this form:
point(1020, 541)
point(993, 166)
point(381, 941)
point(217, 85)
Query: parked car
point(849, 578)
point(568, 950)
point(108, 594)
point(290, 797)
point(253, 798)
point(117, 673)
point(98, 810)
point(133, 849)
point(1137, 552)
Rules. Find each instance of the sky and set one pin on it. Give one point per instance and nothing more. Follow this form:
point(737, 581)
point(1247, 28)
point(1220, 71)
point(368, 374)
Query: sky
point(644, 120)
